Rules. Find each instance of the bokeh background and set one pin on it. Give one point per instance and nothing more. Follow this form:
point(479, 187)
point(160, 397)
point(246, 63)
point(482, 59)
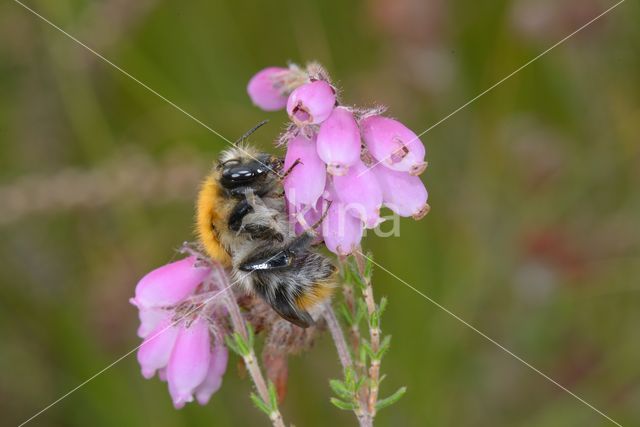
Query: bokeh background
point(533, 237)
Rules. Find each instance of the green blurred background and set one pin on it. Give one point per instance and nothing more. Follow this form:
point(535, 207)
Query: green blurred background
point(533, 237)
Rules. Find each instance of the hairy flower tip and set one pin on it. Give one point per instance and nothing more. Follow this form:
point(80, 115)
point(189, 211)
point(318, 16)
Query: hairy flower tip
point(341, 230)
point(190, 361)
point(339, 141)
point(404, 194)
point(169, 284)
point(393, 144)
point(311, 103)
point(307, 173)
point(360, 191)
point(267, 88)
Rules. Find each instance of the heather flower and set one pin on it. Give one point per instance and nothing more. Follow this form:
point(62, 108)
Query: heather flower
point(339, 141)
point(341, 231)
point(393, 144)
point(311, 103)
point(189, 362)
point(306, 181)
point(170, 283)
point(361, 193)
point(404, 194)
point(177, 319)
point(267, 88)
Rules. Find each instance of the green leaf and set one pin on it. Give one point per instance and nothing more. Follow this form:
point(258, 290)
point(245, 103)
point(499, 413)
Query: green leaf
point(388, 401)
point(273, 395)
point(250, 336)
point(344, 310)
point(260, 404)
point(232, 345)
point(368, 267)
point(384, 347)
point(383, 305)
point(347, 406)
point(340, 389)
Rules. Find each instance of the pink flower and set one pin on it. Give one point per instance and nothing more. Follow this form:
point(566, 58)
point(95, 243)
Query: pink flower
point(156, 349)
point(404, 194)
point(213, 380)
point(360, 191)
point(311, 103)
point(341, 231)
point(393, 144)
point(169, 284)
point(339, 141)
point(305, 183)
point(190, 361)
point(266, 88)
point(177, 333)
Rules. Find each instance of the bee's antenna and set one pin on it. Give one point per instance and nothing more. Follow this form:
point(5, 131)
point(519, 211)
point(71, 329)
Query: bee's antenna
point(252, 130)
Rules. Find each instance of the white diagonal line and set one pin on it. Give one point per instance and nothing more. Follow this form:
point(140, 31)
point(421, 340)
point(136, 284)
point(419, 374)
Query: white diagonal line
point(144, 85)
point(493, 341)
point(499, 82)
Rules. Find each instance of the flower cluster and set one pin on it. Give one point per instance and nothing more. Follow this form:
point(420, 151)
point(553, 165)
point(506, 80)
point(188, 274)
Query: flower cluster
point(342, 162)
point(180, 323)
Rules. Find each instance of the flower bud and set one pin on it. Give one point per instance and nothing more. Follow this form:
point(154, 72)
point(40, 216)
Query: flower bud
point(189, 362)
point(311, 103)
point(404, 194)
point(360, 191)
point(169, 284)
point(393, 144)
point(339, 141)
point(305, 182)
point(341, 231)
point(266, 88)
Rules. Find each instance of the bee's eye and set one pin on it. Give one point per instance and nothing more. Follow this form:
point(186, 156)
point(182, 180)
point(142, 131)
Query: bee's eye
point(230, 163)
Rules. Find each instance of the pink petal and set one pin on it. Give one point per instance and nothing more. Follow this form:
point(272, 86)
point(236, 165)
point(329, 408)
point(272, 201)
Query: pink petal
point(339, 141)
point(266, 89)
point(149, 319)
point(311, 103)
point(155, 351)
point(360, 191)
point(189, 362)
point(404, 194)
point(304, 185)
point(393, 144)
point(169, 284)
point(213, 380)
point(342, 231)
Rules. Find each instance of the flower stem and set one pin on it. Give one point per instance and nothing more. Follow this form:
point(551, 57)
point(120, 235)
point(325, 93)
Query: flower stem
point(250, 360)
point(374, 335)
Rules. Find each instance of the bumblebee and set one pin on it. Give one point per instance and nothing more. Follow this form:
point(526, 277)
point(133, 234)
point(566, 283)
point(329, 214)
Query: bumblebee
point(242, 223)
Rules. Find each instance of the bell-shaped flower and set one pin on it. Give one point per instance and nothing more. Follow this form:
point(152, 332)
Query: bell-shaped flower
point(155, 351)
point(341, 230)
point(213, 380)
point(360, 192)
point(393, 144)
point(189, 362)
point(266, 88)
point(305, 182)
point(311, 103)
point(339, 141)
point(404, 194)
point(169, 284)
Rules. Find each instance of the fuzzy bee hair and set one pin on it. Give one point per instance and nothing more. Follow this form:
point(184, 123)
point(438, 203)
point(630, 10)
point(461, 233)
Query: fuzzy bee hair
point(242, 222)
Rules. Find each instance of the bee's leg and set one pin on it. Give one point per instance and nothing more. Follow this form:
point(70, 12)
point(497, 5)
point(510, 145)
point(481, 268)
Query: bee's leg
point(238, 213)
point(290, 169)
point(278, 258)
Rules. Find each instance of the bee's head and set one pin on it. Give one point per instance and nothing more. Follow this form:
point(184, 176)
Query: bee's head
point(240, 169)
